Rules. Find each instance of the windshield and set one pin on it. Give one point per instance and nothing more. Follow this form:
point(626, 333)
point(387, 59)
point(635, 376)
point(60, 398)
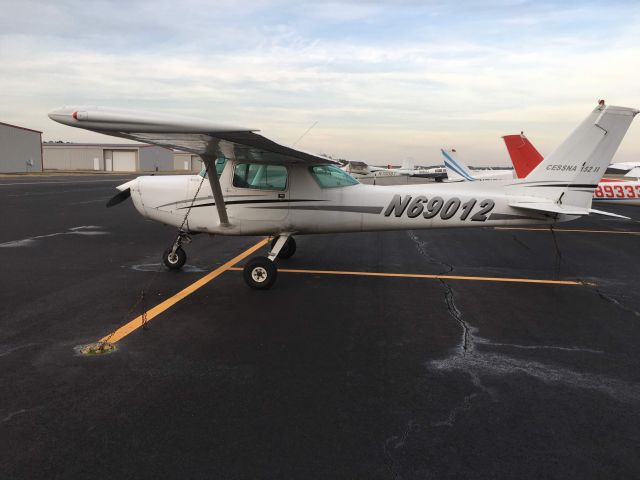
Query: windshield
point(331, 176)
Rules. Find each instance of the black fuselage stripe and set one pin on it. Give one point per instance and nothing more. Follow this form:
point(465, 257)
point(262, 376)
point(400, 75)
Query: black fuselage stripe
point(331, 208)
point(246, 202)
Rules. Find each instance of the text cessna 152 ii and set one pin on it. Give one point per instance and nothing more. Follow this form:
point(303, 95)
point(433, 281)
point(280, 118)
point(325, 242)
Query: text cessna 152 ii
point(259, 187)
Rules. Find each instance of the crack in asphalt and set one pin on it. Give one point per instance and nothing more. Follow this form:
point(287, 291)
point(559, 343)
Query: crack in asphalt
point(558, 252)
point(13, 414)
point(467, 358)
point(500, 365)
point(464, 407)
point(449, 296)
point(396, 442)
point(6, 349)
point(83, 230)
point(520, 242)
point(485, 341)
point(617, 303)
point(467, 343)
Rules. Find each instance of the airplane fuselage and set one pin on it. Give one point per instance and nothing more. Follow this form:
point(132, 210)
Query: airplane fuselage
point(304, 207)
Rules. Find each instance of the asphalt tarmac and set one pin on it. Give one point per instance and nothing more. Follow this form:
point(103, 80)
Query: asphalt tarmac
point(324, 376)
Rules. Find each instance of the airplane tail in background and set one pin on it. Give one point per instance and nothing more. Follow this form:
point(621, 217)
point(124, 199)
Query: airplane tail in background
point(564, 182)
point(456, 170)
point(524, 155)
point(408, 164)
point(633, 173)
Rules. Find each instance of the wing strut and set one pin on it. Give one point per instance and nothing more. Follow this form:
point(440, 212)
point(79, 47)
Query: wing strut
point(214, 181)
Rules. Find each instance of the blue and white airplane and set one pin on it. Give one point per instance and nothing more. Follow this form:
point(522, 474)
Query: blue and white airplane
point(457, 171)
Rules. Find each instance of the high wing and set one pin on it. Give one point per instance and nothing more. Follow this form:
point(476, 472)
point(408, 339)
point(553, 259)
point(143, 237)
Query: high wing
point(201, 137)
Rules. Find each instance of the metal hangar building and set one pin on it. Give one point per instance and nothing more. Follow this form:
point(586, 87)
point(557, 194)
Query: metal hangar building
point(107, 157)
point(20, 149)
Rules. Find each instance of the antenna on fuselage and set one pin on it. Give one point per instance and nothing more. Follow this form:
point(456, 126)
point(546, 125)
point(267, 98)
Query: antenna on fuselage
point(306, 131)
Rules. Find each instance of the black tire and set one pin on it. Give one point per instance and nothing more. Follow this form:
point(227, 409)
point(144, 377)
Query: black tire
point(260, 273)
point(174, 262)
point(287, 250)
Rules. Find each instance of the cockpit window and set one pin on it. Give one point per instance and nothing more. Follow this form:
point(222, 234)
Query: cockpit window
point(220, 163)
point(331, 176)
point(260, 176)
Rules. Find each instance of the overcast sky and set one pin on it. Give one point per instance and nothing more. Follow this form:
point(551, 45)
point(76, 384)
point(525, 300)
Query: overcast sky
point(383, 81)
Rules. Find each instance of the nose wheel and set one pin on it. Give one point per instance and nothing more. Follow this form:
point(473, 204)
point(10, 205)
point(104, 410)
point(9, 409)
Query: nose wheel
point(175, 257)
point(174, 260)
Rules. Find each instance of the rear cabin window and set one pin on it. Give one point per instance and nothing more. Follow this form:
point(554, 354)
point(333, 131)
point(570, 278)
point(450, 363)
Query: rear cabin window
point(260, 176)
point(330, 176)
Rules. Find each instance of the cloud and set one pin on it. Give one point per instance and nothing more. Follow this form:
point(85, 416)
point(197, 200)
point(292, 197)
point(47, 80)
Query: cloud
point(383, 82)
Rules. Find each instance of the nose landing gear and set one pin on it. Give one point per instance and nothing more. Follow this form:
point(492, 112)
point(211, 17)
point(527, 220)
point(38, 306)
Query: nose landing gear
point(175, 257)
point(261, 272)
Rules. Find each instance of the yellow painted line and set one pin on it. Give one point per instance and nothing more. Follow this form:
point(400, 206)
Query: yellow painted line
point(136, 323)
point(577, 230)
point(421, 275)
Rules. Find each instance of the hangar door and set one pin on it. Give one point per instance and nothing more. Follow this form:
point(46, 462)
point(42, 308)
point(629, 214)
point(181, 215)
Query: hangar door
point(124, 161)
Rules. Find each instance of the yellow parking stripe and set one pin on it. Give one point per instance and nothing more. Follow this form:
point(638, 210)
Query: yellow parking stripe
point(422, 275)
point(136, 323)
point(574, 230)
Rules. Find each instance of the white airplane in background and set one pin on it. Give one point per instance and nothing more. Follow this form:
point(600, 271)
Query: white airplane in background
point(633, 173)
point(259, 187)
point(526, 158)
point(630, 169)
point(457, 171)
point(408, 169)
point(364, 170)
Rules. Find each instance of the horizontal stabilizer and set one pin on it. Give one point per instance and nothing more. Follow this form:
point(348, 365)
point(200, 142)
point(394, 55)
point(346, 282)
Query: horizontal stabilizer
point(550, 207)
point(608, 214)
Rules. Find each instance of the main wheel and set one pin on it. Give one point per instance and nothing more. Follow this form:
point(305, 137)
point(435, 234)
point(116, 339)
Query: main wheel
point(260, 273)
point(174, 261)
point(287, 250)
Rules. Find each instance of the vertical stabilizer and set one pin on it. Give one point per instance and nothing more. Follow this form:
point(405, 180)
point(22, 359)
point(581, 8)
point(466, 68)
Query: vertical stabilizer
point(570, 174)
point(408, 164)
point(456, 170)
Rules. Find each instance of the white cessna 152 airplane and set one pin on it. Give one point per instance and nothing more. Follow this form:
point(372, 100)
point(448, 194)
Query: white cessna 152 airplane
point(259, 187)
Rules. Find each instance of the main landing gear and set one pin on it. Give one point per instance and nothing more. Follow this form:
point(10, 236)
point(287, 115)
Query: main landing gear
point(261, 272)
point(175, 257)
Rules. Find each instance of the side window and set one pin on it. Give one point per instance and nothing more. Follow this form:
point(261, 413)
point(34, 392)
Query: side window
point(260, 176)
point(220, 164)
point(330, 176)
